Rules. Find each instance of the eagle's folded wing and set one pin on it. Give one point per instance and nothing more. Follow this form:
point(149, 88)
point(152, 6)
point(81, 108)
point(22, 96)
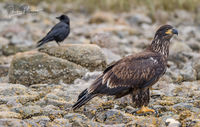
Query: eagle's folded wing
point(136, 73)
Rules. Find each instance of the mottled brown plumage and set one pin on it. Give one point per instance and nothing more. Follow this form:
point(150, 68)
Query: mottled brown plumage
point(133, 74)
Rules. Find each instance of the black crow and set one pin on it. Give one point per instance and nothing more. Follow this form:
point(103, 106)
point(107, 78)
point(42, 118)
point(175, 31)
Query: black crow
point(58, 33)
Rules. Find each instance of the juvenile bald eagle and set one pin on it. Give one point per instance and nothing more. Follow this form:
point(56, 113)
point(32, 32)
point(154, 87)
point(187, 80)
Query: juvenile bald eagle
point(133, 74)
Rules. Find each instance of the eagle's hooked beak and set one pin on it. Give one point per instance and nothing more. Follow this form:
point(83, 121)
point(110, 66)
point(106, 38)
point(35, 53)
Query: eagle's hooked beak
point(174, 31)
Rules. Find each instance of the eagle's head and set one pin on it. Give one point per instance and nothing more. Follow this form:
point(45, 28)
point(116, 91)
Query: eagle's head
point(161, 41)
point(165, 32)
point(63, 18)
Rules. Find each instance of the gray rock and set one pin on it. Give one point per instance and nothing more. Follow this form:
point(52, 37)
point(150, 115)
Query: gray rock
point(170, 89)
point(8, 122)
point(157, 93)
point(28, 111)
point(79, 120)
point(187, 32)
point(182, 106)
point(20, 41)
point(41, 120)
point(3, 70)
point(87, 55)
point(177, 47)
point(91, 75)
point(111, 57)
point(52, 96)
point(14, 30)
point(11, 90)
point(191, 122)
point(8, 50)
point(59, 103)
point(113, 116)
point(174, 74)
point(90, 111)
point(100, 17)
point(194, 44)
point(105, 40)
point(160, 108)
point(23, 99)
point(8, 114)
point(188, 90)
point(31, 123)
point(196, 66)
point(71, 116)
point(12, 102)
point(142, 121)
point(16, 40)
point(60, 122)
point(34, 67)
point(161, 16)
point(5, 60)
point(188, 73)
point(138, 19)
point(53, 111)
point(3, 42)
point(183, 15)
point(170, 122)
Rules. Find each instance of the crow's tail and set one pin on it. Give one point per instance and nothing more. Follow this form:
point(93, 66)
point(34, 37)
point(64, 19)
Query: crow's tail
point(43, 41)
point(83, 98)
point(40, 43)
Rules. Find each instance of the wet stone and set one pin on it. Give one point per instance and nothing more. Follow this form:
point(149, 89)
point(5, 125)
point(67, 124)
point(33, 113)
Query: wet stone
point(28, 111)
point(113, 116)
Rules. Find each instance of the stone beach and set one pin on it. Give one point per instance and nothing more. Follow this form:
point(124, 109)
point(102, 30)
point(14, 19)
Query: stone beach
point(39, 86)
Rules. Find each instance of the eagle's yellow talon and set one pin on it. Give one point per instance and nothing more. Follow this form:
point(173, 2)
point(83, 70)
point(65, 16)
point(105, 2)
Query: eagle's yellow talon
point(144, 110)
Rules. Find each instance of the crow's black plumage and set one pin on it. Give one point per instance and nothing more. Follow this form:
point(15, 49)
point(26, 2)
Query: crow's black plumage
point(134, 74)
point(58, 33)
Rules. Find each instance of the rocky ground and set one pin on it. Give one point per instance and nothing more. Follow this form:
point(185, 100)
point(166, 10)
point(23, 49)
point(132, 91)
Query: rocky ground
point(39, 86)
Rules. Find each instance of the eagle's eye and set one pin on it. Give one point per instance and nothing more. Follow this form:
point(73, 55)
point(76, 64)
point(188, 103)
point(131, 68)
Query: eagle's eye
point(168, 31)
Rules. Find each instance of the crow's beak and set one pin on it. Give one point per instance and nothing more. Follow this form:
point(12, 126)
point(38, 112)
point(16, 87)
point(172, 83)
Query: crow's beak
point(174, 31)
point(58, 17)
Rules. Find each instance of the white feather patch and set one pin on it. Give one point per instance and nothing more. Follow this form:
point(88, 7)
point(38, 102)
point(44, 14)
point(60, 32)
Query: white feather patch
point(154, 60)
point(108, 82)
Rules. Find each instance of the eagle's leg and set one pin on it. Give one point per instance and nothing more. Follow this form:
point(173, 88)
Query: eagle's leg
point(144, 110)
point(141, 99)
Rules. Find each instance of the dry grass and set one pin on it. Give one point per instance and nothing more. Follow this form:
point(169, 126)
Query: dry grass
point(124, 5)
point(90, 6)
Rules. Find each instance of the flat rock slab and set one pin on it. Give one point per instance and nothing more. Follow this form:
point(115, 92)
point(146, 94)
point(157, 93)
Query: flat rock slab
point(89, 56)
point(8, 114)
point(34, 67)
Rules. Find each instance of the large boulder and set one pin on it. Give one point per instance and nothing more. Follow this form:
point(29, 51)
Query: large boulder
point(35, 67)
point(53, 64)
point(89, 56)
